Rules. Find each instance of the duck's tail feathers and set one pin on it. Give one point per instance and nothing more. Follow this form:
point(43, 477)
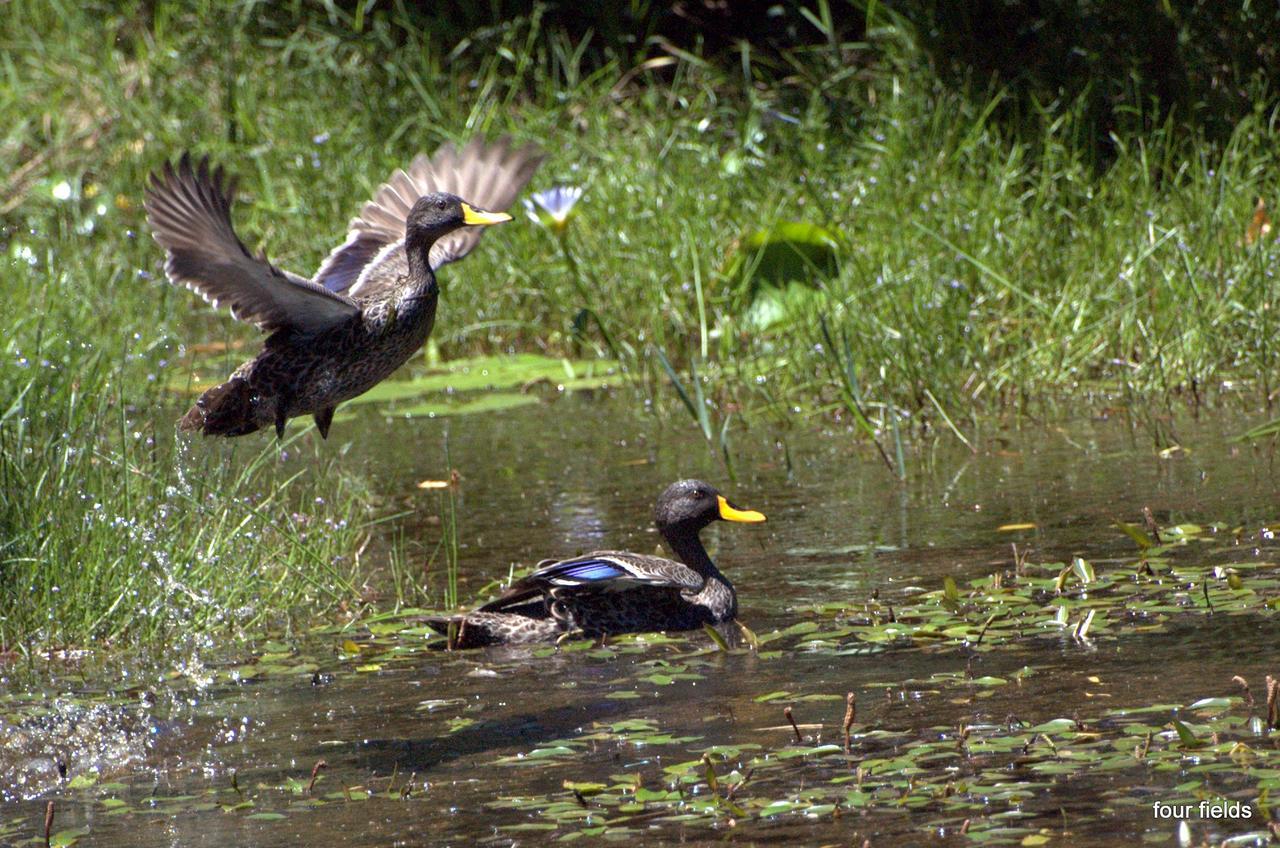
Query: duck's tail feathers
point(479, 629)
point(225, 410)
point(460, 634)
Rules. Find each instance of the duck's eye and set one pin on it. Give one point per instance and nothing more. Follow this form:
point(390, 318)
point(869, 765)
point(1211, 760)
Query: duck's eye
point(441, 204)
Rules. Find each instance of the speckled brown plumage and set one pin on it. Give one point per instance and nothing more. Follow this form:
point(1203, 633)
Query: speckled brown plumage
point(616, 591)
point(301, 373)
point(372, 302)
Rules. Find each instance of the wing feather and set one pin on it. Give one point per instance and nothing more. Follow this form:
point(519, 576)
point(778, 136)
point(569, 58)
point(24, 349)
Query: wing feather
point(486, 175)
point(189, 210)
point(602, 571)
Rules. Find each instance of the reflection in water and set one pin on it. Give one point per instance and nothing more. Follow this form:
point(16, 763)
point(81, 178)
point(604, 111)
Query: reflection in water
point(578, 519)
point(555, 479)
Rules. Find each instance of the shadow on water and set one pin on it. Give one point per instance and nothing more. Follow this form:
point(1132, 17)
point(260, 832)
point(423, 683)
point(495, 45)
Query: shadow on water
point(529, 729)
point(997, 735)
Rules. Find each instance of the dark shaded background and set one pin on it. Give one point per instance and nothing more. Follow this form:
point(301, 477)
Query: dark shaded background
point(1126, 66)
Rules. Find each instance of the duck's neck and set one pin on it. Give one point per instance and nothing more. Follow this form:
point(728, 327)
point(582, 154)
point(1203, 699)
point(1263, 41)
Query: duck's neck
point(418, 242)
point(718, 594)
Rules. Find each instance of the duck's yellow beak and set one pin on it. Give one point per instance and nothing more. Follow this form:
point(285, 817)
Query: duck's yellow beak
point(474, 217)
point(729, 512)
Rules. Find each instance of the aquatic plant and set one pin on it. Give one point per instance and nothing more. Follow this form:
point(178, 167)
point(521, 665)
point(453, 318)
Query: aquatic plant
point(1000, 706)
point(552, 208)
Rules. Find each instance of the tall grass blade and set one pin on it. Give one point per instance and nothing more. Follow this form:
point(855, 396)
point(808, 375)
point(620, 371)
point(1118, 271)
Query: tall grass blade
point(950, 424)
point(678, 385)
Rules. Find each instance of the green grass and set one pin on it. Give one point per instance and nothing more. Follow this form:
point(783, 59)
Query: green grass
point(977, 273)
point(113, 534)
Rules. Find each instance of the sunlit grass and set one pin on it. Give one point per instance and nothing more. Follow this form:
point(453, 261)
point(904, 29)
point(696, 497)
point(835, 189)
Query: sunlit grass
point(977, 272)
point(114, 533)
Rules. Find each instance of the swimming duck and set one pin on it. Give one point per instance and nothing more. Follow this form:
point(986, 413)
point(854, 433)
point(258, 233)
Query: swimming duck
point(617, 591)
point(370, 305)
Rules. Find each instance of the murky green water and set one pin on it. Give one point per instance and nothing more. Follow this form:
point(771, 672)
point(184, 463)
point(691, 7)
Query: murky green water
point(429, 747)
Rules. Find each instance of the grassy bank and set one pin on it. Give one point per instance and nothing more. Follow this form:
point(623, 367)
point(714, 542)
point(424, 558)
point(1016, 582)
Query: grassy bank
point(971, 273)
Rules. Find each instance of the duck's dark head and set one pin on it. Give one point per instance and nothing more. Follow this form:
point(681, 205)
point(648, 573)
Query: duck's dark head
point(691, 505)
point(440, 213)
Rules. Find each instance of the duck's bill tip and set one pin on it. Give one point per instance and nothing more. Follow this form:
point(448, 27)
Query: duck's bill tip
point(729, 512)
point(474, 217)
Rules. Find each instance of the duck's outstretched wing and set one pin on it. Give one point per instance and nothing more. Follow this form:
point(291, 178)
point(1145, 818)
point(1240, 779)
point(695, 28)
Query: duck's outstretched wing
point(485, 175)
point(602, 571)
point(189, 210)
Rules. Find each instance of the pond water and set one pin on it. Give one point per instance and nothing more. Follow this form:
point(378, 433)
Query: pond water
point(984, 713)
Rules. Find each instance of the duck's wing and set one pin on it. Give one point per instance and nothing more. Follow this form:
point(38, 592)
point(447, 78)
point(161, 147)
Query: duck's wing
point(189, 210)
point(485, 175)
point(602, 571)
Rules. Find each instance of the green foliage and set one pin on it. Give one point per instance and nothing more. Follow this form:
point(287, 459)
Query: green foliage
point(1132, 66)
point(113, 532)
point(774, 270)
point(976, 270)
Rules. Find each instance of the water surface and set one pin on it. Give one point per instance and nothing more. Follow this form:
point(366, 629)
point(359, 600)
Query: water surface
point(453, 746)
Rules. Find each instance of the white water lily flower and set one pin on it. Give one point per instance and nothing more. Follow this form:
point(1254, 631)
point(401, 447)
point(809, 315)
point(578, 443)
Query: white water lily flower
point(553, 208)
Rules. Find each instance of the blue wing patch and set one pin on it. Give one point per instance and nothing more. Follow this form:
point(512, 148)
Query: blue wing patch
point(586, 571)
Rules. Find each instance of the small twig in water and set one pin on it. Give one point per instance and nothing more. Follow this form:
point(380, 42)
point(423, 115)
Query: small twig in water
point(315, 772)
point(1082, 628)
point(1019, 560)
point(786, 711)
point(850, 713)
point(1153, 529)
point(391, 781)
point(1140, 752)
point(1244, 684)
point(709, 772)
point(728, 796)
point(1273, 708)
point(983, 631)
point(48, 823)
